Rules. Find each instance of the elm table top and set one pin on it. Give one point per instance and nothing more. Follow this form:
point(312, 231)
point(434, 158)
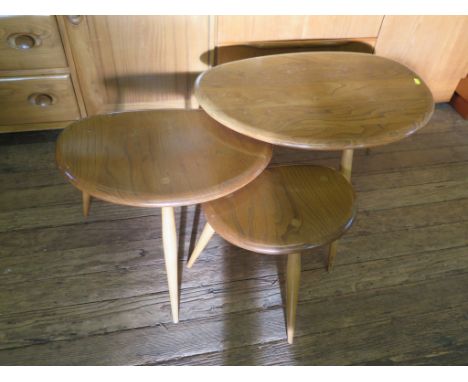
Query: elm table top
point(158, 158)
point(285, 210)
point(317, 100)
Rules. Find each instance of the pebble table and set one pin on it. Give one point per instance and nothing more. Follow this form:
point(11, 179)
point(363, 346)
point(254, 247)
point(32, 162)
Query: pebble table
point(160, 158)
point(286, 210)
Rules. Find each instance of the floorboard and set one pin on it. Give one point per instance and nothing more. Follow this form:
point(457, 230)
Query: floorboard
point(92, 291)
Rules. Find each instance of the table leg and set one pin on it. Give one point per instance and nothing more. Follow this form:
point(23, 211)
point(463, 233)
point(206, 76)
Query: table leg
point(170, 256)
point(347, 163)
point(345, 168)
point(205, 237)
point(293, 277)
point(86, 202)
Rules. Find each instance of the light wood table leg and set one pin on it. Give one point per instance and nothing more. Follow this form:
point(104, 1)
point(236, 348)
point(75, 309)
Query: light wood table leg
point(86, 203)
point(170, 256)
point(347, 163)
point(345, 168)
point(293, 277)
point(205, 237)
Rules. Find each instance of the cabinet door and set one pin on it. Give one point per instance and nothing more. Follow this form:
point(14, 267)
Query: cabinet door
point(138, 62)
point(435, 47)
point(238, 29)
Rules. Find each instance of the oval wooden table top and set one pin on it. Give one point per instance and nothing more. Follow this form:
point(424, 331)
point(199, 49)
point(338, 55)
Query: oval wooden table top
point(158, 158)
point(286, 209)
point(317, 100)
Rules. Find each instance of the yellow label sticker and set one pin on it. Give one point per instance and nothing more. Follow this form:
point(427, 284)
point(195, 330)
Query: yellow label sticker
point(417, 81)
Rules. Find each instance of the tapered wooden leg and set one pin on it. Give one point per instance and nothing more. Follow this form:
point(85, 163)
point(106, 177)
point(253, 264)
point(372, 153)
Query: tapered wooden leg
point(345, 168)
point(331, 255)
point(347, 163)
point(293, 277)
point(170, 256)
point(205, 237)
point(86, 202)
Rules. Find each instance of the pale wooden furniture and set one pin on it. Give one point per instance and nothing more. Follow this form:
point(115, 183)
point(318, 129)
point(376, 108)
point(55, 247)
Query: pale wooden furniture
point(137, 62)
point(120, 63)
point(110, 51)
point(160, 158)
point(433, 46)
point(30, 42)
point(229, 53)
point(36, 90)
point(286, 210)
point(318, 101)
point(236, 29)
point(37, 99)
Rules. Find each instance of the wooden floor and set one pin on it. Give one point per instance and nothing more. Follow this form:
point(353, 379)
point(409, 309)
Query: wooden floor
point(93, 291)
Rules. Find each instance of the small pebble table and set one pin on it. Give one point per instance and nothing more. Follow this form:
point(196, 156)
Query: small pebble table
point(159, 158)
point(286, 210)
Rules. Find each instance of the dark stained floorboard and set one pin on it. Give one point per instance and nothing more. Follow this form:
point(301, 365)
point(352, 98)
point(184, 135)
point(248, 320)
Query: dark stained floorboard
point(93, 291)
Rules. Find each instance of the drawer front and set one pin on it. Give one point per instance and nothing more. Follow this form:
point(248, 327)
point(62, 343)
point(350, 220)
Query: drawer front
point(30, 42)
point(37, 99)
point(233, 30)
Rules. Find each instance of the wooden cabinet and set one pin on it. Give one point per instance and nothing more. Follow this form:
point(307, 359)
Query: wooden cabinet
point(85, 65)
point(435, 47)
point(36, 91)
point(138, 62)
point(237, 29)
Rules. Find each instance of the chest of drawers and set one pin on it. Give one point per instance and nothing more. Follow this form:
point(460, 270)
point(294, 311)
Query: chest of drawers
point(36, 91)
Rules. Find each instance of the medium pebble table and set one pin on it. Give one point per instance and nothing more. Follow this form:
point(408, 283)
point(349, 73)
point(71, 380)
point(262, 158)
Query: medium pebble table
point(160, 158)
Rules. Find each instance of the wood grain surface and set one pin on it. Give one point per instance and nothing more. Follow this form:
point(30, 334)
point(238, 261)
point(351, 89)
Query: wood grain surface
point(18, 106)
point(397, 296)
point(320, 101)
point(158, 158)
point(286, 209)
point(46, 50)
point(228, 53)
point(138, 62)
point(434, 46)
point(236, 29)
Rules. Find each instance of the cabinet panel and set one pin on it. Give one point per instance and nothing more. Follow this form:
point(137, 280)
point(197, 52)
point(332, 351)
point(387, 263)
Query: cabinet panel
point(435, 47)
point(237, 29)
point(138, 62)
point(37, 99)
point(228, 53)
point(30, 42)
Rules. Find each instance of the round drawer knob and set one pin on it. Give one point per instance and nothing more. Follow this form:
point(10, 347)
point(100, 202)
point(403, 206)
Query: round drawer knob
point(23, 41)
point(74, 19)
point(41, 99)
